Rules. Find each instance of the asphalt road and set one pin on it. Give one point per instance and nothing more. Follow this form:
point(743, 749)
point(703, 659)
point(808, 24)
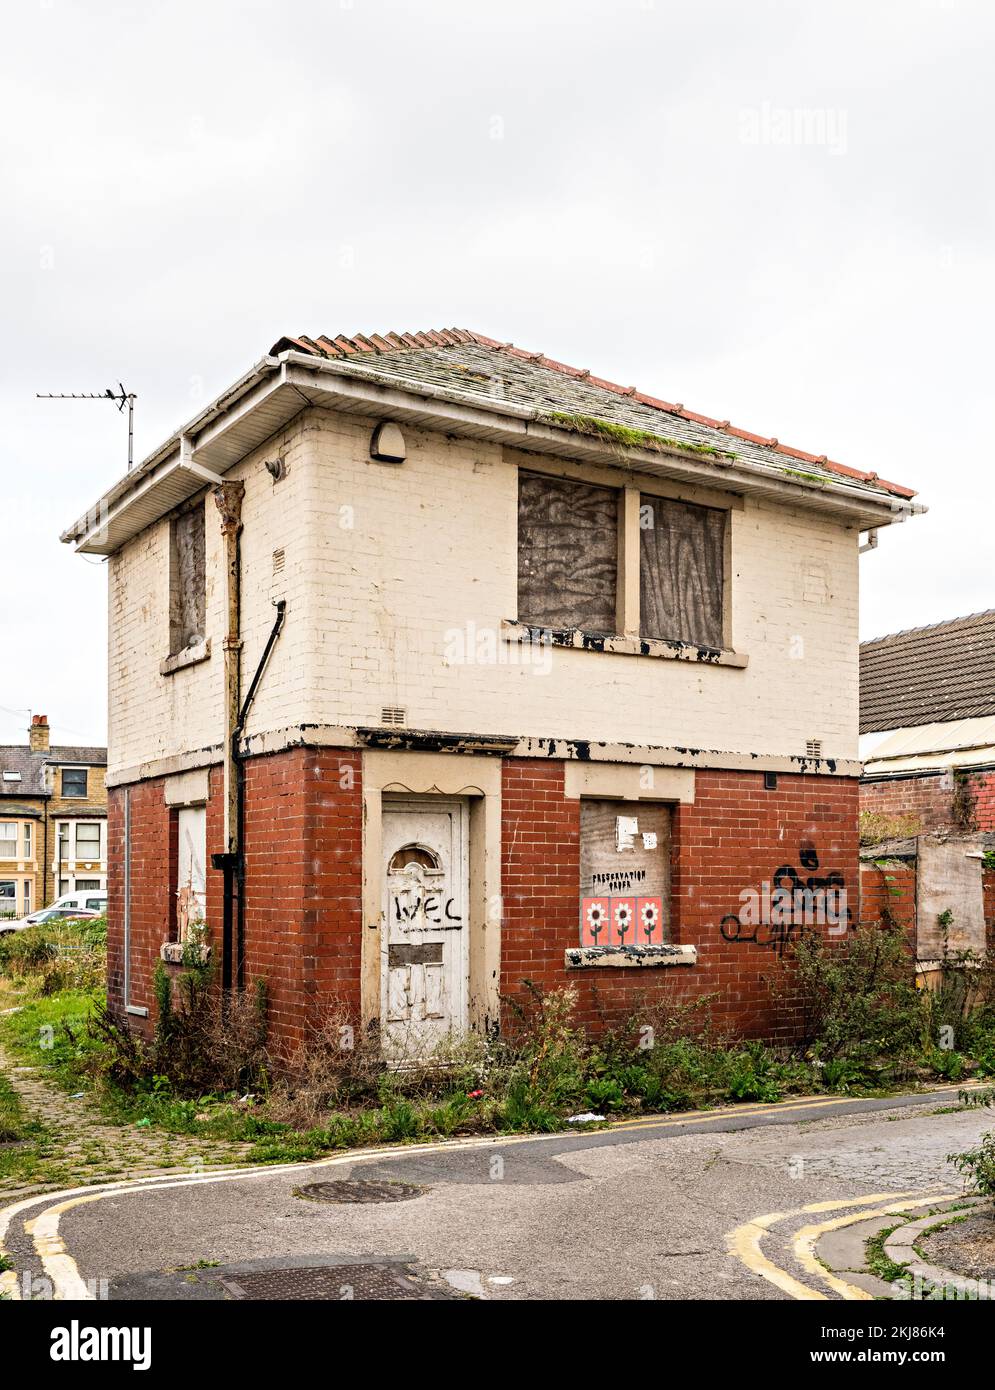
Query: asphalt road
point(690, 1207)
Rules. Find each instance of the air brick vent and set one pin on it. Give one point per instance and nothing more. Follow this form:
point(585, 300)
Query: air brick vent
point(393, 714)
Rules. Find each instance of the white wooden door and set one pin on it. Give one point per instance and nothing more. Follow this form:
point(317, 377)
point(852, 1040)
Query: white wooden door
point(425, 939)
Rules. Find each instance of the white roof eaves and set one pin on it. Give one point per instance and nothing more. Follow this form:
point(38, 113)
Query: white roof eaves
point(132, 501)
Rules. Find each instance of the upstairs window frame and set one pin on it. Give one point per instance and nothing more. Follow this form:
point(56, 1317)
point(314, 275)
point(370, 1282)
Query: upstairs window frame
point(75, 773)
point(623, 580)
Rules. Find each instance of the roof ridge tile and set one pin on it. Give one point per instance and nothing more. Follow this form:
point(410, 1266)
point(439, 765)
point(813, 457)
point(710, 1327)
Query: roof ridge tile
point(456, 337)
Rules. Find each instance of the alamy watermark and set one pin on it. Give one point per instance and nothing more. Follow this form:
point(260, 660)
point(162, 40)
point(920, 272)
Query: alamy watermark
point(820, 126)
point(471, 645)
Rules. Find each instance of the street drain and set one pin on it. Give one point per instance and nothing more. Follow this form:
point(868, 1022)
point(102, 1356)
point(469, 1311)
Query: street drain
point(377, 1283)
point(360, 1190)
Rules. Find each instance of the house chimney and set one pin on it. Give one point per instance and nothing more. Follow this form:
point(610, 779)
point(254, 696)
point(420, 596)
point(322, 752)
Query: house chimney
point(38, 733)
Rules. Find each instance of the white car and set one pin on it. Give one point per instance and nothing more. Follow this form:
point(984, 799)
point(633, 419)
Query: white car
point(93, 901)
point(70, 906)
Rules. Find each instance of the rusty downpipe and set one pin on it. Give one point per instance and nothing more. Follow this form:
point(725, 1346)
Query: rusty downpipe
point(228, 499)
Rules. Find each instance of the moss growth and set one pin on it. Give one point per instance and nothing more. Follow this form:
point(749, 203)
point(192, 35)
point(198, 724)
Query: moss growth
point(626, 437)
point(877, 826)
point(817, 478)
point(964, 802)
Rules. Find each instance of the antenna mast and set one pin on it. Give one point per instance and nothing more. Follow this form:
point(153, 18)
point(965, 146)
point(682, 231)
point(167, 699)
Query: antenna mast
point(120, 397)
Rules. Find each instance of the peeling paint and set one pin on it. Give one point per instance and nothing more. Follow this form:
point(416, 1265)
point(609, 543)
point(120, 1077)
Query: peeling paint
point(629, 957)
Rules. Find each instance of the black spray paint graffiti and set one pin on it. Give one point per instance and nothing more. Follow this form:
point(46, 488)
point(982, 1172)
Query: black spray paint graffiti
point(414, 911)
point(788, 904)
point(619, 882)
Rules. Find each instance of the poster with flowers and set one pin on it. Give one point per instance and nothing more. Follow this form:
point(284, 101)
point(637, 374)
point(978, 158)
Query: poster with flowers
point(624, 873)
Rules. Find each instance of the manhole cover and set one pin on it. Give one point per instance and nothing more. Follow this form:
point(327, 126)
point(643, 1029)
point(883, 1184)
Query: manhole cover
point(381, 1283)
point(360, 1190)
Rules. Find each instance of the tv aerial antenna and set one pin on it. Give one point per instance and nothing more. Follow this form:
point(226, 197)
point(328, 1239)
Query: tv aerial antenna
point(120, 397)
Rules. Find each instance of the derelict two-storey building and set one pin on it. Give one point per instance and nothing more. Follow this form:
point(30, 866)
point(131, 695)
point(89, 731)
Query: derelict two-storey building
point(437, 665)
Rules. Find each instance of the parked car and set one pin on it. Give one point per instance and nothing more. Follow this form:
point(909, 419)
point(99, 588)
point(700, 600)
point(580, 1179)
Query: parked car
point(93, 901)
point(49, 914)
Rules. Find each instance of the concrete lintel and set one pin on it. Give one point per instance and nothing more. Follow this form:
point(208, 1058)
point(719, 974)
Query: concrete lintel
point(188, 788)
point(628, 782)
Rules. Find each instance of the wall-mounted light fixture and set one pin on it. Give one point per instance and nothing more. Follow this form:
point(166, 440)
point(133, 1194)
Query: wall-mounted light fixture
point(387, 443)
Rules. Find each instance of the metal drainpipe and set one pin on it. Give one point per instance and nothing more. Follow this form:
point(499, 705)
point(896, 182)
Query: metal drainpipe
point(281, 609)
point(44, 862)
point(228, 499)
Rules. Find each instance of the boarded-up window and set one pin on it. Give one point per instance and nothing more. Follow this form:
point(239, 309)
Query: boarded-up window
point(567, 553)
point(186, 580)
point(624, 873)
point(191, 861)
point(681, 571)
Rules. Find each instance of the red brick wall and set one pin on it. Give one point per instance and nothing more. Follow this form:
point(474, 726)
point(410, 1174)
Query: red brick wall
point(303, 878)
point(303, 916)
point(984, 808)
point(929, 799)
point(889, 893)
point(303, 861)
point(734, 835)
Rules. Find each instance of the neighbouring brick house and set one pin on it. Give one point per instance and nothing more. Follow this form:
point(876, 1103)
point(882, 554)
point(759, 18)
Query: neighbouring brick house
point(437, 665)
point(927, 724)
point(53, 821)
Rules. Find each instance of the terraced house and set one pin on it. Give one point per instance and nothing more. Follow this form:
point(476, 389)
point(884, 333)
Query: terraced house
point(53, 821)
point(437, 665)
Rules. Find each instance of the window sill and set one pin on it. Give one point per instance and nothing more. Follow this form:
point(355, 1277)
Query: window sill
point(190, 656)
point(628, 957)
point(513, 631)
point(172, 952)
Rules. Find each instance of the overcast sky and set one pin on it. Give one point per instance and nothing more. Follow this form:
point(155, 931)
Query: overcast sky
point(778, 213)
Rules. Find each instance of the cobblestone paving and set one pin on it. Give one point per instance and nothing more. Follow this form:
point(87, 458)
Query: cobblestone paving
point(82, 1146)
point(909, 1149)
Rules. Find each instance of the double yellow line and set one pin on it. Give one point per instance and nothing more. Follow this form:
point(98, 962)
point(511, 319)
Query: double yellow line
point(698, 1117)
point(745, 1241)
point(68, 1283)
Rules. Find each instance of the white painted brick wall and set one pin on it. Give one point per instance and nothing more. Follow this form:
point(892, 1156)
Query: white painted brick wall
point(383, 560)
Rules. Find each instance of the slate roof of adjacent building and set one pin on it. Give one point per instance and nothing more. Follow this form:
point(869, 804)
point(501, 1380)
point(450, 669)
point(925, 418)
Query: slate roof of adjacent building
point(18, 757)
point(456, 359)
point(929, 675)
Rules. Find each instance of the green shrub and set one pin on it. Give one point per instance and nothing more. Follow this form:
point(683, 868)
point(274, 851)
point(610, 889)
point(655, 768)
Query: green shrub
point(855, 997)
point(947, 1064)
point(605, 1093)
point(753, 1075)
point(979, 1165)
point(844, 1075)
point(203, 1041)
point(55, 956)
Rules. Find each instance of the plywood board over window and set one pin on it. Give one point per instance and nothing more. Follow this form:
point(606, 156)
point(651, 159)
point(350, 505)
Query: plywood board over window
point(567, 553)
point(681, 571)
point(187, 570)
point(624, 873)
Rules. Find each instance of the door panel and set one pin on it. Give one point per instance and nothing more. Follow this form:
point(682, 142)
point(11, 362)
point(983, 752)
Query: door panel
point(424, 940)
